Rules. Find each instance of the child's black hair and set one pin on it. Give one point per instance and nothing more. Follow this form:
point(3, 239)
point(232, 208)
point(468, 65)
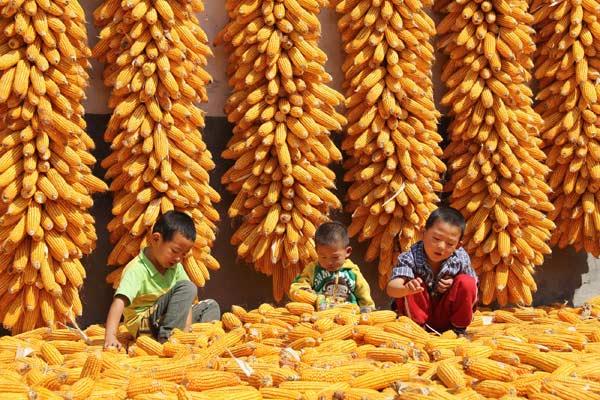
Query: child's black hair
point(448, 215)
point(332, 233)
point(172, 222)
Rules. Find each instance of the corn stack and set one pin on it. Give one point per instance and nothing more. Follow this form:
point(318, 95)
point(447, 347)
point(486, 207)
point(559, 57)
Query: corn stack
point(324, 356)
point(391, 140)
point(155, 53)
point(567, 70)
point(496, 164)
point(46, 178)
point(283, 113)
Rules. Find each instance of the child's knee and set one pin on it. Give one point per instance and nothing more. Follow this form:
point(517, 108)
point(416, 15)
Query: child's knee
point(465, 288)
point(206, 311)
point(186, 289)
point(465, 282)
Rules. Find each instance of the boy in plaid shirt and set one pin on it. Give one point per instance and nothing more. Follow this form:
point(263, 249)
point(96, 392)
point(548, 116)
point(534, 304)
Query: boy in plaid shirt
point(433, 282)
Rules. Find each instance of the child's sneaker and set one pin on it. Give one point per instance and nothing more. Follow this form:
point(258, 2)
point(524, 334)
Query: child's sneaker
point(460, 332)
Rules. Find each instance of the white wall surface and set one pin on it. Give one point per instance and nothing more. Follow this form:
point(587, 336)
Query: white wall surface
point(212, 20)
point(590, 281)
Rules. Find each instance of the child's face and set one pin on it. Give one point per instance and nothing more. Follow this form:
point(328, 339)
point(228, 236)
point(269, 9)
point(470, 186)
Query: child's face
point(332, 257)
point(167, 253)
point(440, 241)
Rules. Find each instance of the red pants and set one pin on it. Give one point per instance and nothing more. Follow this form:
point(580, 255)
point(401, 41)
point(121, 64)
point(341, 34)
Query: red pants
point(442, 312)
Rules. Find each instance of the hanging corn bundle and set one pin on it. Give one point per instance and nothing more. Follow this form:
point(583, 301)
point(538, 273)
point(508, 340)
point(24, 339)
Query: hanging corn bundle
point(283, 114)
point(155, 53)
point(567, 71)
point(392, 143)
point(45, 166)
point(497, 174)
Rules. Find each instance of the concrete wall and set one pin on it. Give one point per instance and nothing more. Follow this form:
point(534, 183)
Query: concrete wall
point(566, 275)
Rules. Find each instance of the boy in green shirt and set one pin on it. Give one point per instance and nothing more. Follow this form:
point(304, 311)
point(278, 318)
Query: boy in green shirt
point(335, 278)
point(155, 293)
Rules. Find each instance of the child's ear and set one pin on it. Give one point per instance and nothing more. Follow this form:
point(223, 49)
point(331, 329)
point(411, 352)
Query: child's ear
point(348, 251)
point(155, 237)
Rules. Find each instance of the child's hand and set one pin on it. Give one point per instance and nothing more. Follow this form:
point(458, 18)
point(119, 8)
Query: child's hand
point(414, 285)
point(111, 341)
point(444, 284)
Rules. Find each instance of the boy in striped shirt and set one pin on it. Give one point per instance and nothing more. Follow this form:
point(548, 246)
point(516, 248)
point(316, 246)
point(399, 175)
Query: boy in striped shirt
point(433, 282)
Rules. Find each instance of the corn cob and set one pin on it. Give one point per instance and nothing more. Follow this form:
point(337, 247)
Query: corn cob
point(145, 386)
point(81, 389)
point(211, 379)
point(303, 296)
point(498, 178)
point(315, 386)
point(149, 345)
point(159, 160)
point(391, 141)
point(92, 366)
point(483, 368)
point(494, 389)
point(378, 317)
point(406, 327)
point(282, 394)
point(565, 391)
point(450, 375)
point(283, 114)
point(543, 361)
point(299, 308)
point(238, 392)
point(380, 379)
point(51, 354)
point(358, 394)
point(231, 321)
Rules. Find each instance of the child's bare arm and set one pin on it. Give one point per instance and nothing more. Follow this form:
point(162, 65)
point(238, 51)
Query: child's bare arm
point(188, 321)
point(112, 322)
point(402, 287)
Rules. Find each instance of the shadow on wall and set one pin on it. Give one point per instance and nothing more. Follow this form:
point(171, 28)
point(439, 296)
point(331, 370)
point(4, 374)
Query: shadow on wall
point(561, 276)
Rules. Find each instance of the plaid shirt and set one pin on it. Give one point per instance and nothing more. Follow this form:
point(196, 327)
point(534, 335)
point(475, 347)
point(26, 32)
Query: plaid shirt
point(413, 263)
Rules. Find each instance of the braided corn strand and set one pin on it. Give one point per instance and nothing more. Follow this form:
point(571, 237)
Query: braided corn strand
point(494, 156)
point(283, 113)
point(155, 55)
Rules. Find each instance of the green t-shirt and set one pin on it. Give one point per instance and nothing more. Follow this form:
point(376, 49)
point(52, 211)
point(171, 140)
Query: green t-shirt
point(142, 284)
point(340, 284)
